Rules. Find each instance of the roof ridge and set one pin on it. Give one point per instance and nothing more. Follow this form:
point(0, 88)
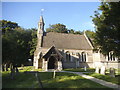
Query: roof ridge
point(67, 33)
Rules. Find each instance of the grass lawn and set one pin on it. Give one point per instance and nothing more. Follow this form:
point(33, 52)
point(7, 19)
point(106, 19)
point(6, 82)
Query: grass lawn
point(108, 78)
point(62, 80)
point(80, 70)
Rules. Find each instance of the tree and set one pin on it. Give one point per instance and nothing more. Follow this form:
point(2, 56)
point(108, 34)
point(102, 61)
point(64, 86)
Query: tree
point(90, 34)
point(8, 25)
point(60, 28)
point(77, 32)
point(33, 42)
point(16, 45)
point(71, 31)
point(74, 32)
point(108, 27)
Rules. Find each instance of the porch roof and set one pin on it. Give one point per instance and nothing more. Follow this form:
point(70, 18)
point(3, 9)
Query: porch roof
point(52, 50)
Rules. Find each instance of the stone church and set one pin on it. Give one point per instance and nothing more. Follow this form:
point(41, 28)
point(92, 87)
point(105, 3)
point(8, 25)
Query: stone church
point(60, 50)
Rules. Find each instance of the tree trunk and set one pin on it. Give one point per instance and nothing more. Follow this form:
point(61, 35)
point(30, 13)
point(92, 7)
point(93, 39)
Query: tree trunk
point(11, 67)
point(12, 71)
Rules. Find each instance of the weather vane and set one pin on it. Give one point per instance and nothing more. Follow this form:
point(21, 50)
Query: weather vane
point(42, 11)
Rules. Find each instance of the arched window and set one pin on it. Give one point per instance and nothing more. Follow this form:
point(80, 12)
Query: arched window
point(68, 56)
point(83, 55)
point(79, 56)
point(111, 56)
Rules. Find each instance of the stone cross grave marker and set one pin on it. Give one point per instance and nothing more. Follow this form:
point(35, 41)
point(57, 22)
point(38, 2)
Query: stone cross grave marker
point(102, 71)
point(112, 72)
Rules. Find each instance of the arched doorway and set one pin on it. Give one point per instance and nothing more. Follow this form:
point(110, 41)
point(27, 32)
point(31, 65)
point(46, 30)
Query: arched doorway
point(52, 63)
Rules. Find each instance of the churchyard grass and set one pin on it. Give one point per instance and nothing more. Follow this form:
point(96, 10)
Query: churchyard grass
point(28, 68)
point(108, 78)
point(62, 80)
point(80, 69)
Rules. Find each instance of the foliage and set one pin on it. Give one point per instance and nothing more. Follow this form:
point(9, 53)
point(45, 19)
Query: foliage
point(62, 80)
point(18, 44)
point(105, 77)
point(74, 32)
point(90, 34)
point(77, 32)
point(60, 28)
point(15, 46)
point(33, 42)
point(108, 27)
point(7, 25)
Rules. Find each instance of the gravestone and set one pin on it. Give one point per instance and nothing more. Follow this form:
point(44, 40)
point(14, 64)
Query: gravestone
point(112, 72)
point(85, 68)
point(97, 70)
point(102, 71)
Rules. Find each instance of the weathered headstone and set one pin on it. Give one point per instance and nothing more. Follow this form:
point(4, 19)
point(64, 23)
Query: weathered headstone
point(85, 68)
point(112, 72)
point(102, 71)
point(97, 70)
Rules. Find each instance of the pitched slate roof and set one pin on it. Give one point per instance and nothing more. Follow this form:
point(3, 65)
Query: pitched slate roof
point(66, 41)
point(52, 50)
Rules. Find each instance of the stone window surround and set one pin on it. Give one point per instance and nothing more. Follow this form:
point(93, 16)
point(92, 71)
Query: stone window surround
point(110, 57)
point(81, 56)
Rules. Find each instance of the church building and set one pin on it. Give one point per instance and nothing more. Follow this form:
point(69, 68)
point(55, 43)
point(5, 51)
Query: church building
point(61, 50)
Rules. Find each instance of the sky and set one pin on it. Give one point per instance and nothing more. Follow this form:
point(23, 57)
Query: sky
point(75, 15)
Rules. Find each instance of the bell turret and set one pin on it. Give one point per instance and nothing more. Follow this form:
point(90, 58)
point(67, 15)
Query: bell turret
point(40, 27)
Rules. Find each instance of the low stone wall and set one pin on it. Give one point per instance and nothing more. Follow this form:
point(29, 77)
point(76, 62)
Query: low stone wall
point(81, 65)
point(86, 64)
point(69, 65)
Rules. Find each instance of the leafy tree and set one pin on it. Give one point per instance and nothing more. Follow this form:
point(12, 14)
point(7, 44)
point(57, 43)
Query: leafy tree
point(77, 32)
point(33, 42)
point(60, 28)
point(8, 25)
point(108, 27)
point(16, 46)
point(90, 34)
point(71, 31)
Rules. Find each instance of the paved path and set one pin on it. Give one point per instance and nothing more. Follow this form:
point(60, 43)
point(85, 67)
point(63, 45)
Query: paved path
point(102, 82)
